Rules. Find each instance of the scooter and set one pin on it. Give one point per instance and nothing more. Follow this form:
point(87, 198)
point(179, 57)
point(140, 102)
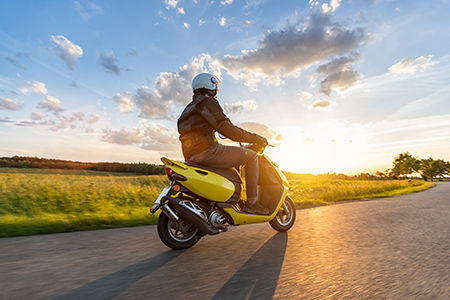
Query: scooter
point(205, 201)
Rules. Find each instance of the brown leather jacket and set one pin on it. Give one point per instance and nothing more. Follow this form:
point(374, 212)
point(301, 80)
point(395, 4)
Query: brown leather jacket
point(199, 122)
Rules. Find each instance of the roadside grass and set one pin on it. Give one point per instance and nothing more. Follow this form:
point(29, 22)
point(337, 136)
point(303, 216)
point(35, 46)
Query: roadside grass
point(51, 203)
point(311, 193)
point(54, 201)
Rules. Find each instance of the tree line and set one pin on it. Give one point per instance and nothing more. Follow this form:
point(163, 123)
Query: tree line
point(45, 163)
point(405, 164)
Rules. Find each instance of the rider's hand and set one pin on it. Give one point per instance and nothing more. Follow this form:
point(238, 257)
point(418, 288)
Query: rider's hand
point(261, 141)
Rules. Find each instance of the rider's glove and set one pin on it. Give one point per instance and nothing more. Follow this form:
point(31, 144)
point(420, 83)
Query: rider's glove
point(261, 141)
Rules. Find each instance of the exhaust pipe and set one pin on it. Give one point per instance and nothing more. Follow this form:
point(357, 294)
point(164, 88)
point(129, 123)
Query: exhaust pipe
point(191, 217)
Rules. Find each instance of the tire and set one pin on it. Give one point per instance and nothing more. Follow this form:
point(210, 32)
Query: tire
point(285, 217)
point(173, 237)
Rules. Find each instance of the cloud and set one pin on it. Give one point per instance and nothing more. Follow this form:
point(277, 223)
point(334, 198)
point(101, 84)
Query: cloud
point(174, 5)
point(226, 2)
point(36, 116)
point(339, 74)
point(304, 95)
point(334, 4)
point(50, 104)
point(125, 102)
point(94, 118)
point(323, 104)
point(239, 106)
point(108, 61)
point(187, 25)
point(264, 130)
point(9, 104)
point(285, 53)
point(223, 21)
point(14, 62)
point(87, 9)
point(34, 87)
point(159, 137)
point(67, 51)
point(412, 66)
point(172, 88)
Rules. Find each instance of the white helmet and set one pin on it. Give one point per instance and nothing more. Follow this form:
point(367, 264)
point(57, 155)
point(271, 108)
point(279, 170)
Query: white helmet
point(207, 82)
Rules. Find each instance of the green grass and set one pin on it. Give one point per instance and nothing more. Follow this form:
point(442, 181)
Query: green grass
point(310, 193)
point(50, 203)
point(34, 201)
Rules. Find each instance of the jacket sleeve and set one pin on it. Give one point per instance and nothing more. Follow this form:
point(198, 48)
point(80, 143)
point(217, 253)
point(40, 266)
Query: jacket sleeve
point(211, 110)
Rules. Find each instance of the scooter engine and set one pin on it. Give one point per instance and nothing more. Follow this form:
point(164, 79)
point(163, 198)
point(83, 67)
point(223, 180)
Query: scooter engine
point(219, 220)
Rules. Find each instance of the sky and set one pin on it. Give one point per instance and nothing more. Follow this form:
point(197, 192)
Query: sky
point(339, 86)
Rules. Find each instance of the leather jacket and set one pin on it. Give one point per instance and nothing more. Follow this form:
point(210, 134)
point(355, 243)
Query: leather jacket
point(199, 121)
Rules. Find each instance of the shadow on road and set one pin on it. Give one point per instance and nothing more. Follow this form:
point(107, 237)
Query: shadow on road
point(114, 284)
point(258, 277)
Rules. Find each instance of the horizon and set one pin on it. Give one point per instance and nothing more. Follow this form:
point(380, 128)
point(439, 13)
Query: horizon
point(337, 86)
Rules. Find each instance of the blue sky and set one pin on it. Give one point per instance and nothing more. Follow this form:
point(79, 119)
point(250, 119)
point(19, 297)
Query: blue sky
point(337, 86)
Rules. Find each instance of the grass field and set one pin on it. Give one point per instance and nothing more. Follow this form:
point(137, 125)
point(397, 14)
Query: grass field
point(34, 201)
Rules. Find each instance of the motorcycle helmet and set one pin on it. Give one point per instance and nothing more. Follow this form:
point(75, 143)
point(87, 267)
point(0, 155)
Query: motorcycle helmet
point(206, 83)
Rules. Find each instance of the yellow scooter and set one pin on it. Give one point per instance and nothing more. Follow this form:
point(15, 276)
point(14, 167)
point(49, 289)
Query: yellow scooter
point(202, 200)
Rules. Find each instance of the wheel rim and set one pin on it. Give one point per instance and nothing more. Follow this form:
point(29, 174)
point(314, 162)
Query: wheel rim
point(285, 215)
point(177, 234)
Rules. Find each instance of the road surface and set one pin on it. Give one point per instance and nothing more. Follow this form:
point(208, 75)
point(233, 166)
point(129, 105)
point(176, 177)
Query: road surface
point(393, 248)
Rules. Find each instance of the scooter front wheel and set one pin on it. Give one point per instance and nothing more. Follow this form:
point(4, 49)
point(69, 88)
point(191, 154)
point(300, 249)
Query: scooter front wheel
point(285, 217)
point(177, 234)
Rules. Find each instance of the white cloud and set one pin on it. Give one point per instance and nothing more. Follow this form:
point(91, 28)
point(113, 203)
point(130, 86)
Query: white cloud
point(187, 25)
point(34, 87)
point(9, 104)
point(334, 4)
point(239, 106)
point(201, 22)
point(51, 104)
point(226, 2)
point(286, 52)
point(323, 104)
point(173, 88)
point(124, 101)
point(223, 21)
point(67, 51)
point(304, 95)
point(94, 118)
point(158, 137)
point(87, 9)
point(123, 136)
point(264, 130)
point(171, 3)
point(412, 66)
point(108, 61)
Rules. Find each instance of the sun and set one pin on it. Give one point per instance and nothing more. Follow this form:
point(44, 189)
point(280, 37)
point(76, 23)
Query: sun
point(318, 153)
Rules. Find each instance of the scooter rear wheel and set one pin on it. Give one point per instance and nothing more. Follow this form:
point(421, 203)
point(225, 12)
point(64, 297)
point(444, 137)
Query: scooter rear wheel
point(175, 237)
point(285, 217)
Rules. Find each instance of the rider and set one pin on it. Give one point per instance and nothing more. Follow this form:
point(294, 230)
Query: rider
point(197, 125)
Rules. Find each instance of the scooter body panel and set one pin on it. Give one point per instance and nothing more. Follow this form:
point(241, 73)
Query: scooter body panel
point(204, 183)
point(242, 218)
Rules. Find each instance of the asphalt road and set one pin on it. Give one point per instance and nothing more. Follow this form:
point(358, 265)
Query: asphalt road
point(394, 248)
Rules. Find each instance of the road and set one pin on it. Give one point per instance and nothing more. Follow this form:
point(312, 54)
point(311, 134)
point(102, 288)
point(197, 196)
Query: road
point(393, 248)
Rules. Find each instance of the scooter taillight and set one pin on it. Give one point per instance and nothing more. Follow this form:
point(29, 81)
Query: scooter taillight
point(169, 171)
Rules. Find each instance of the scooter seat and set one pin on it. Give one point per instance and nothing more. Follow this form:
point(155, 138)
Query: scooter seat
point(231, 174)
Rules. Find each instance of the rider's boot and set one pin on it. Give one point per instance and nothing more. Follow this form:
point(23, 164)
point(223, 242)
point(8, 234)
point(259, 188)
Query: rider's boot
point(255, 208)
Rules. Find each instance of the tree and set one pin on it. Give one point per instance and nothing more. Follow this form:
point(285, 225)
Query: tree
point(405, 164)
point(428, 168)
